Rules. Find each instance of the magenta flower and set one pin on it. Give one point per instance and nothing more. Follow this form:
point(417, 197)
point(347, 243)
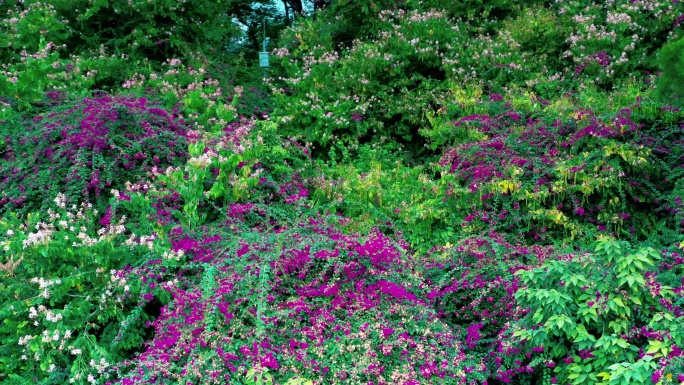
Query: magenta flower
point(656, 376)
point(386, 332)
point(106, 220)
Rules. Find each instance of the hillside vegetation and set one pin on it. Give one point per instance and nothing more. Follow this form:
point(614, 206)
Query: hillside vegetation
point(420, 192)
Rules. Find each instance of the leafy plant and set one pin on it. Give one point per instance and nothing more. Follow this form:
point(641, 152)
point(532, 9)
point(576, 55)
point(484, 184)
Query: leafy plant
point(70, 310)
point(671, 82)
point(602, 317)
point(247, 162)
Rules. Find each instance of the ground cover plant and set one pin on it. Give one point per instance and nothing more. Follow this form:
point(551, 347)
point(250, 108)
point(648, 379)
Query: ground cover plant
point(420, 193)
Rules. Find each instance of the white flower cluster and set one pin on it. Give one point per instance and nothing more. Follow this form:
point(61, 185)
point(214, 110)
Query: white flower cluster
point(140, 187)
point(100, 366)
point(42, 237)
point(415, 16)
point(280, 52)
point(105, 295)
point(49, 314)
point(135, 82)
point(52, 316)
point(78, 376)
point(131, 241)
point(43, 283)
point(87, 241)
point(60, 201)
point(204, 160)
point(147, 241)
point(172, 62)
point(53, 215)
point(45, 286)
point(74, 351)
point(617, 18)
point(49, 338)
point(25, 339)
point(170, 170)
point(173, 255)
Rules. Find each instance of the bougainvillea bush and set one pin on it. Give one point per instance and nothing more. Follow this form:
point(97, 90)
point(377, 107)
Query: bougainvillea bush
point(472, 287)
point(527, 168)
point(86, 148)
point(306, 300)
point(567, 177)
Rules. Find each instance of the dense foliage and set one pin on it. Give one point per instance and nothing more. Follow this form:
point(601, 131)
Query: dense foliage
point(86, 149)
point(430, 192)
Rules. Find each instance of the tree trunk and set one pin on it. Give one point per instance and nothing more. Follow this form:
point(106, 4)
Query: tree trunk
point(287, 10)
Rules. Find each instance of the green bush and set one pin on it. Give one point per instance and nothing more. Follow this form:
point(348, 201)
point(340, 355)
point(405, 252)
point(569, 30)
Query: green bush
point(601, 317)
point(246, 163)
point(69, 307)
point(671, 82)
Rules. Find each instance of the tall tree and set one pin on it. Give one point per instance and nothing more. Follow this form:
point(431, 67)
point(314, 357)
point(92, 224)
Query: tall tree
point(251, 17)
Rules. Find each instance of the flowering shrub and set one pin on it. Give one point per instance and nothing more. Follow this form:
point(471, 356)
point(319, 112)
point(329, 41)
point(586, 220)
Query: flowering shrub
point(18, 81)
point(84, 149)
point(26, 27)
point(564, 176)
point(380, 87)
point(78, 46)
point(609, 42)
point(156, 31)
point(539, 177)
point(201, 97)
point(383, 85)
point(245, 163)
point(36, 58)
point(306, 299)
point(472, 287)
point(417, 212)
point(70, 308)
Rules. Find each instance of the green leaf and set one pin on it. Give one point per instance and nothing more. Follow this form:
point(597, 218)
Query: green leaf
point(560, 322)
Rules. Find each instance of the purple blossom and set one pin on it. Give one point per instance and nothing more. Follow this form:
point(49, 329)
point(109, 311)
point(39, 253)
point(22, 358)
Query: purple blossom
point(473, 335)
point(386, 332)
point(106, 219)
point(392, 289)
